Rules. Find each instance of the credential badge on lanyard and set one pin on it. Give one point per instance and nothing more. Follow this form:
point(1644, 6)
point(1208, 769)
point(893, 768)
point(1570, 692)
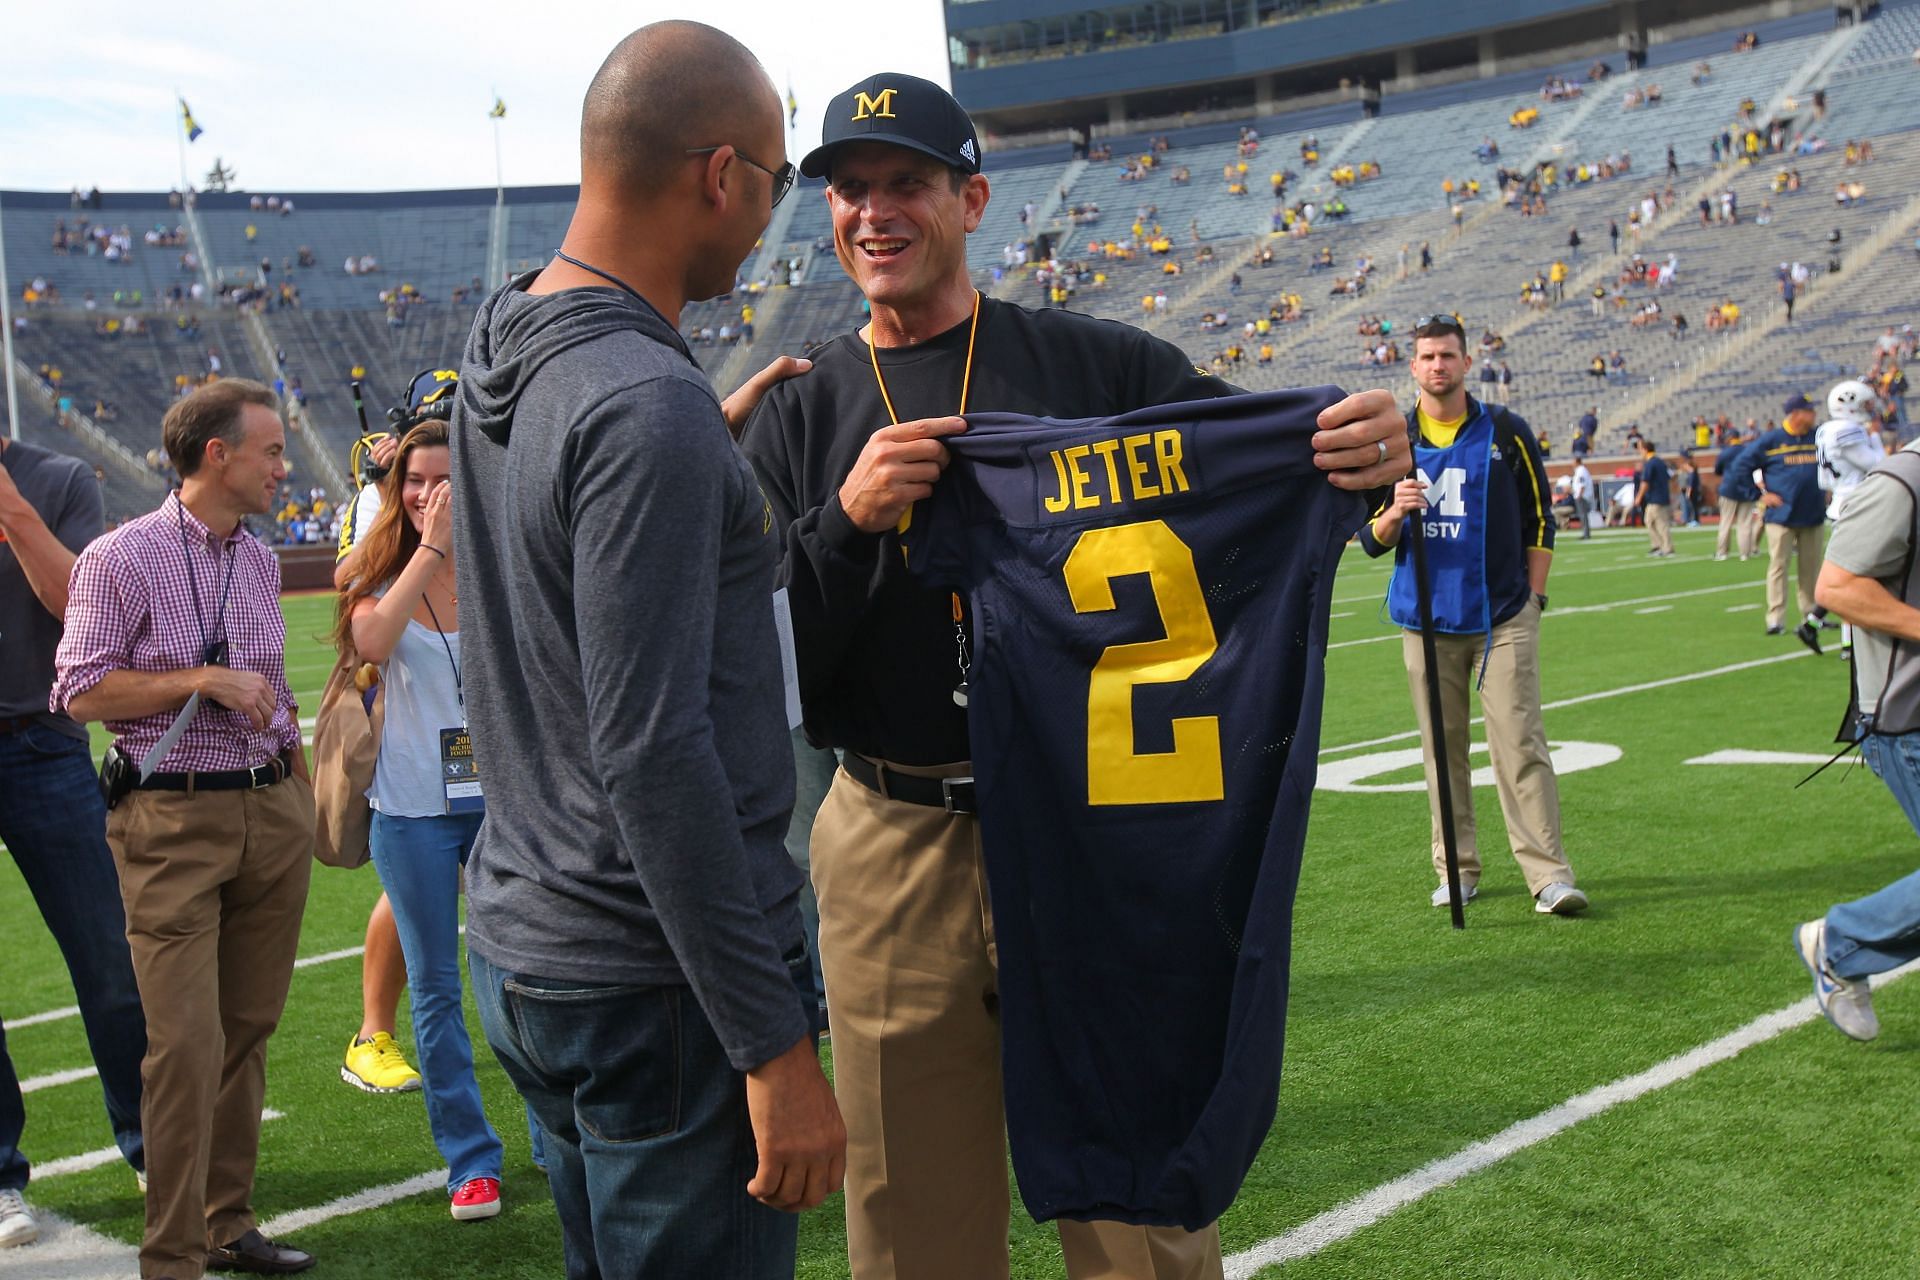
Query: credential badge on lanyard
point(459, 773)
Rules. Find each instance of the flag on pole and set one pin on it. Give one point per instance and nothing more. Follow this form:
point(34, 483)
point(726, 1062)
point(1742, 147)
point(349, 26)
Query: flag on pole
point(793, 106)
point(499, 111)
point(186, 119)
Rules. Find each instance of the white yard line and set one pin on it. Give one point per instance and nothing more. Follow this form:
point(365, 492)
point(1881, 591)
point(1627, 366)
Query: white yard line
point(327, 957)
point(358, 1202)
point(33, 1084)
point(73, 1011)
point(1588, 697)
point(105, 1155)
point(1363, 1211)
point(1670, 595)
point(1602, 607)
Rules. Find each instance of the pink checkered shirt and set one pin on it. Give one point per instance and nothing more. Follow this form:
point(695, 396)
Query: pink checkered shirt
point(130, 607)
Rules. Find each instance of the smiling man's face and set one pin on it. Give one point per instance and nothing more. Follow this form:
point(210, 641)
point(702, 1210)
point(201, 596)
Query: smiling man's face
point(899, 226)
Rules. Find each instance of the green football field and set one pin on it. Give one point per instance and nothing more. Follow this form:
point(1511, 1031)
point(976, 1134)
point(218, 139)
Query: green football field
point(1444, 1110)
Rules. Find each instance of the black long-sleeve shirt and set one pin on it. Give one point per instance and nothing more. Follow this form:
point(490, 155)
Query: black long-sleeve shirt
point(877, 649)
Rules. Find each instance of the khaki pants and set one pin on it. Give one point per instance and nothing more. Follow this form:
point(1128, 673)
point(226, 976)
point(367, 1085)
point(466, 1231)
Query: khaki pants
point(1516, 739)
point(906, 938)
point(1742, 518)
point(214, 884)
point(1660, 527)
point(1804, 544)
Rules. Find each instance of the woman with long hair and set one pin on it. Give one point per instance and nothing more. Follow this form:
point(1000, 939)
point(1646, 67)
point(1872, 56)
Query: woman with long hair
point(400, 610)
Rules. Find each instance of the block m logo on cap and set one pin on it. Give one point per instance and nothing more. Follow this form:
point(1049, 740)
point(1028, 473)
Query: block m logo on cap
point(875, 106)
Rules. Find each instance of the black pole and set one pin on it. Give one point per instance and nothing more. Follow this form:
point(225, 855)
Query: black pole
point(1415, 531)
point(359, 407)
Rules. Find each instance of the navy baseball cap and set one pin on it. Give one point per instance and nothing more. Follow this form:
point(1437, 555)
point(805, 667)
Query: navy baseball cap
point(899, 109)
point(1796, 402)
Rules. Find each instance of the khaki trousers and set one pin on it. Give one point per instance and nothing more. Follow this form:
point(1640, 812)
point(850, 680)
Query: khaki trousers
point(1516, 740)
point(1805, 545)
point(1741, 518)
point(906, 939)
point(214, 884)
point(1660, 527)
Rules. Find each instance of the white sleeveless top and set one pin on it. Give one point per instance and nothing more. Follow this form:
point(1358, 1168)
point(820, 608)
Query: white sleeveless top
point(422, 699)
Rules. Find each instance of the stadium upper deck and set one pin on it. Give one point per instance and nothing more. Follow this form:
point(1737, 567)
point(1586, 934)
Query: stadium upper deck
point(433, 247)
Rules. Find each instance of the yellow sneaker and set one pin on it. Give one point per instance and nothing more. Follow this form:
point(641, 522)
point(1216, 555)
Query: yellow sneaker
point(376, 1065)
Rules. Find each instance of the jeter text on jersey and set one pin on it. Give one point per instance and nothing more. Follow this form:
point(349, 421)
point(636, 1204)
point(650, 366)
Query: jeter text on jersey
point(1118, 470)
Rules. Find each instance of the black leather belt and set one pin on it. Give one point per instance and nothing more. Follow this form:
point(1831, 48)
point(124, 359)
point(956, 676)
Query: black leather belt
point(17, 724)
point(955, 795)
point(279, 769)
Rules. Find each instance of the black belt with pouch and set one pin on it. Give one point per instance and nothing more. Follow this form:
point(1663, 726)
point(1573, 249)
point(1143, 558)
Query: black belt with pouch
point(118, 775)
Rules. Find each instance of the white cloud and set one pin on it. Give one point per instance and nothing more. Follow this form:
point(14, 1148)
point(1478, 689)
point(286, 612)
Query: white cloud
point(359, 95)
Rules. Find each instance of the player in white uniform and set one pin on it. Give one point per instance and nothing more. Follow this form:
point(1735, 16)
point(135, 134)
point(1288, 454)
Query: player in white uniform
point(1849, 446)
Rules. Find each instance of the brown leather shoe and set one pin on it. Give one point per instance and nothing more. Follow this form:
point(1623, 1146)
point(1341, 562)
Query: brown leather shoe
point(255, 1253)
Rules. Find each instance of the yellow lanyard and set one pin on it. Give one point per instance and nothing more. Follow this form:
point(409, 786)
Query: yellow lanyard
point(966, 378)
point(966, 383)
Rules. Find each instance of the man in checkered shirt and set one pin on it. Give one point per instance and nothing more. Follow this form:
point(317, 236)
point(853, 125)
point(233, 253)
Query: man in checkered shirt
point(176, 615)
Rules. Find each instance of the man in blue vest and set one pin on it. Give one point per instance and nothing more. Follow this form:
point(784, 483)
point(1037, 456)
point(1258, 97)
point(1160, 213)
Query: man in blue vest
point(1485, 506)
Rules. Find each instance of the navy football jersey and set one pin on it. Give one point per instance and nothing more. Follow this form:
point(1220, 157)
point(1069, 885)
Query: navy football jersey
point(1149, 596)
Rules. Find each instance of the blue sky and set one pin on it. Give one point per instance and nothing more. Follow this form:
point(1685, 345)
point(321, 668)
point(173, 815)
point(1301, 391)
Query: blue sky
point(354, 95)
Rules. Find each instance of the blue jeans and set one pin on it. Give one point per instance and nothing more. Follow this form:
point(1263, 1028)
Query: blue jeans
point(419, 861)
point(1882, 930)
point(55, 824)
point(648, 1143)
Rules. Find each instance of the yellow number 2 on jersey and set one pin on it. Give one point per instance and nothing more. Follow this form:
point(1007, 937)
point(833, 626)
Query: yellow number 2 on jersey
point(1116, 773)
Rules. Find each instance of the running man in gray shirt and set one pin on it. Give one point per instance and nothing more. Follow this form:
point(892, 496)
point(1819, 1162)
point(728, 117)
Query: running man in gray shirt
point(1870, 580)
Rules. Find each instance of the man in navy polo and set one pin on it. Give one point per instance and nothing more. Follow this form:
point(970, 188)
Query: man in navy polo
point(1795, 506)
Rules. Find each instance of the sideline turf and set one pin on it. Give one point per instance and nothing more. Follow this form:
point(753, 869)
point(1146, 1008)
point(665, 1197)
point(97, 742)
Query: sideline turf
point(1406, 1041)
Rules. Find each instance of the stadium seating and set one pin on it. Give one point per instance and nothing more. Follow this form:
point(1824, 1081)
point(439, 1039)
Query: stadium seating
point(126, 493)
point(435, 249)
point(1894, 36)
point(442, 241)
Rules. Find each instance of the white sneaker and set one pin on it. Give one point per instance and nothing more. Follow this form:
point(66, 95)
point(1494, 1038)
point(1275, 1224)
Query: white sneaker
point(1467, 895)
point(1559, 899)
point(16, 1221)
point(1847, 1003)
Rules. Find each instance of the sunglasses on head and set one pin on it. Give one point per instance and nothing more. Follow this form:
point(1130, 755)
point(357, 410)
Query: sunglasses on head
point(1446, 320)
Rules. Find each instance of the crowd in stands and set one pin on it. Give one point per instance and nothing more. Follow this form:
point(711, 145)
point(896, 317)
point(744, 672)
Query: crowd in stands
point(114, 244)
point(313, 522)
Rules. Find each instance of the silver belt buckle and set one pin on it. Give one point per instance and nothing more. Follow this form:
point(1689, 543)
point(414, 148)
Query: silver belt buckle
point(261, 776)
point(946, 792)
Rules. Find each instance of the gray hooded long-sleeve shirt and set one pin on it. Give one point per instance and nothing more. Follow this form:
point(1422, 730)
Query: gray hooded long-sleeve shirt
point(621, 667)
